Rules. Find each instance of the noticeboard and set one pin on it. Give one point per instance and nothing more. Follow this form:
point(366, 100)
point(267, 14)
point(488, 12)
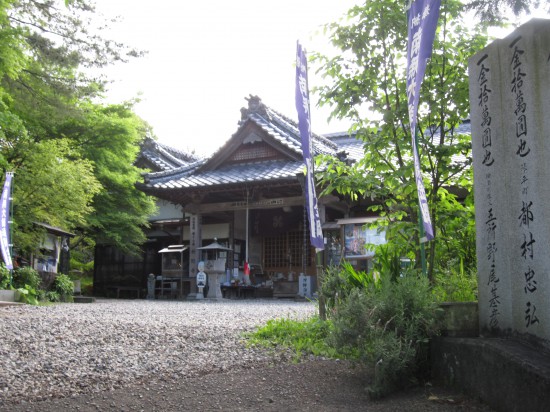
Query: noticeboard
point(358, 236)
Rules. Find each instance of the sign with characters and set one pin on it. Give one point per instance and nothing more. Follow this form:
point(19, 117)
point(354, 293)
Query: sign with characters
point(201, 279)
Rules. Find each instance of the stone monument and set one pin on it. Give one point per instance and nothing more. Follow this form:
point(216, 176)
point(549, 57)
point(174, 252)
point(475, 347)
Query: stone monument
point(201, 281)
point(510, 115)
point(151, 286)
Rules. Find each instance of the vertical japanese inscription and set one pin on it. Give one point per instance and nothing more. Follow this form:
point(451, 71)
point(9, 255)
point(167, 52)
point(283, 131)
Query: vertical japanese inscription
point(525, 212)
point(490, 218)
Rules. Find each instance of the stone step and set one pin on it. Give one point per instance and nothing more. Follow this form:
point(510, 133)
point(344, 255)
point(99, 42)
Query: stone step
point(4, 303)
point(83, 299)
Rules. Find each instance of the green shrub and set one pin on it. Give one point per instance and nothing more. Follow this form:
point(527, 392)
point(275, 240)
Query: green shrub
point(5, 276)
point(64, 286)
point(454, 284)
point(387, 326)
point(28, 294)
point(52, 296)
point(26, 275)
point(339, 281)
point(386, 260)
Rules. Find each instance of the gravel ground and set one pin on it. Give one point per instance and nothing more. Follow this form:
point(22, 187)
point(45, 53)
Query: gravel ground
point(163, 356)
point(68, 349)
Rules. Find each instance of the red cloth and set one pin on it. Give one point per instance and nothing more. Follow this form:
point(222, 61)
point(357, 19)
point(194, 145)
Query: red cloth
point(246, 269)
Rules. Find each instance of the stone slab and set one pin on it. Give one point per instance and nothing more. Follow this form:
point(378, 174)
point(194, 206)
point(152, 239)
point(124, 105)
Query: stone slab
point(83, 299)
point(8, 295)
point(506, 374)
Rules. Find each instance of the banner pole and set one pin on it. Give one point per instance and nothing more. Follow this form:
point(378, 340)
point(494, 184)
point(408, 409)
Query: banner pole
point(421, 233)
point(10, 222)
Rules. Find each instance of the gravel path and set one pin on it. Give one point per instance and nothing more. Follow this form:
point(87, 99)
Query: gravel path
point(117, 355)
point(70, 349)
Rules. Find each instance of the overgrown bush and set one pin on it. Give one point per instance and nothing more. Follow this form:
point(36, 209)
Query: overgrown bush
point(64, 287)
point(52, 296)
point(4, 276)
point(387, 325)
point(86, 282)
point(387, 260)
point(28, 294)
point(340, 281)
point(455, 284)
point(26, 275)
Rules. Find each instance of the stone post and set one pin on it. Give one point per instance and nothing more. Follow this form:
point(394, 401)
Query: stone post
point(510, 106)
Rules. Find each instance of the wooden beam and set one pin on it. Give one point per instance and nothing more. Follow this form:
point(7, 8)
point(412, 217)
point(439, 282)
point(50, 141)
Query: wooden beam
point(242, 205)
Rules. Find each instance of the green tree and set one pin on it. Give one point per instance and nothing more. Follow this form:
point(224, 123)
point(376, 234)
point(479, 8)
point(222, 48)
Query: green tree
point(493, 11)
point(366, 83)
point(47, 105)
point(52, 185)
point(110, 136)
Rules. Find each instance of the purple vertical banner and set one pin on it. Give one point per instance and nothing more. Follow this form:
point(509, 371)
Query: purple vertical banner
point(423, 16)
point(304, 124)
point(4, 221)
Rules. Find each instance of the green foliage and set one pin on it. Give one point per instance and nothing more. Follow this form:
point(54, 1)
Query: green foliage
point(86, 280)
point(82, 255)
point(64, 286)
point(494, 11)
point(340, 281)
point(304, 337)
point(73, 157)
point(55, 185)
point(26, 276)
point(5, 276)
point(388, 328)
point(366, 84)
point(52, 296)
point(387, 261)
point(457, 233)
point(28, 294)
point(454, 284)
point(110, 137)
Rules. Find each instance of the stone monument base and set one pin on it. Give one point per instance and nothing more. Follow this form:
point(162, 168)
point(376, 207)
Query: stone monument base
point(507, 374)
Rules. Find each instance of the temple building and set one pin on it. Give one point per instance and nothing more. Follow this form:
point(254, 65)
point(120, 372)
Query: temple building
point(248, 198)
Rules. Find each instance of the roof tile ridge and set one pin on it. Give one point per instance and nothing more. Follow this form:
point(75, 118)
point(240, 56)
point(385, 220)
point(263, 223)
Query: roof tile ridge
point(181, 169)
point(276, 127)
point(173, 158)
point(170, 150)
point(296, 130)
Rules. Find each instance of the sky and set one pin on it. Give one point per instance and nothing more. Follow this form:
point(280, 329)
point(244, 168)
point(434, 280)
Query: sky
point(205, 57)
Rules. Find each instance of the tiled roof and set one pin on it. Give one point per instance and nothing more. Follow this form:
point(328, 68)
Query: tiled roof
point(349, 144)
point(162, 157)
point(225, 175)
point(287, 132)
point(282, 129)
point(179, 170)
point(211, 172)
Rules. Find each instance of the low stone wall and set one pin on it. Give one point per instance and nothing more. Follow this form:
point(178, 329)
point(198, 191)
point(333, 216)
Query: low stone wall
point(460, 319)
point(507, 374)
point(7, 295)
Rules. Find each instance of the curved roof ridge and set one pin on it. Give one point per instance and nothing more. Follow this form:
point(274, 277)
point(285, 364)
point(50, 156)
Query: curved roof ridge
point(296, 130)
point(168, 173)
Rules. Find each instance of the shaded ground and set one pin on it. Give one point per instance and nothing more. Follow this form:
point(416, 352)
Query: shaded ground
point(313, 385)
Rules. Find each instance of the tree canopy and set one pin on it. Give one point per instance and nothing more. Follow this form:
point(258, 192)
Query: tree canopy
point(493, 11)
point(72, 155)
point(366, 83)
